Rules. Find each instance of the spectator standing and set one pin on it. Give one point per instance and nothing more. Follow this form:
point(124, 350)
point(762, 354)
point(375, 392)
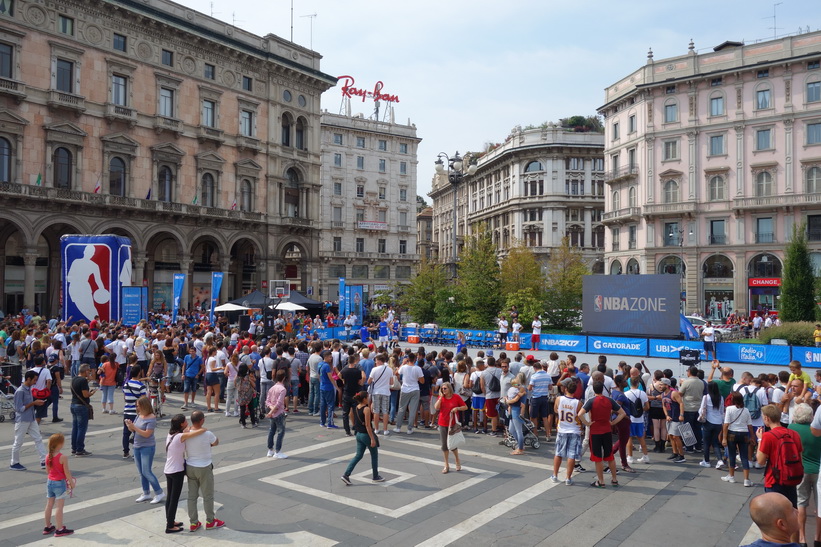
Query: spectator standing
point(492, 388)
point(59, 485)
point(80, 403)
point(448, 405)
point(807, 489)
point(133, 389)
point(711, 415)
point(277, 403)
point(692, 393)
point(175, 469)
point(199, 470)
point(736, 434)
point(411, 376)
point(327, 390)
point(25, 423)
point(365, 438)
point(145, 446)
point(775, 519)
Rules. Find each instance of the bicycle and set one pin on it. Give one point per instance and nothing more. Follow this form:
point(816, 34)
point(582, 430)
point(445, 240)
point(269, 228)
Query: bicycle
point(157, 398)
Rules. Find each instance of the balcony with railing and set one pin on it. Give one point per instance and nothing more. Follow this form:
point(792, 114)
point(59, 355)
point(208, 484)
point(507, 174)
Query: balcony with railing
point(206, 133)
point(245, 142)
point(624, 214)
point(297, 221)
point(337, 224)
point(677, 208)
point(718, 239)
point(162, 123)
point(764, 237)
point(120, 113)
point(813, 235)
point(768, 202)
point(13, 88)
point(403, 228)
point(67, 101)
point(620, 174)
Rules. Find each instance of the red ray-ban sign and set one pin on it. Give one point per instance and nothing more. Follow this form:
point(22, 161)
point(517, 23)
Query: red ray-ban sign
point(348, 90)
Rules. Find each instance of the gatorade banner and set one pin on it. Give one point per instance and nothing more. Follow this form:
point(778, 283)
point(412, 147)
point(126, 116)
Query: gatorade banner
point(179, 283)
point(216, 285)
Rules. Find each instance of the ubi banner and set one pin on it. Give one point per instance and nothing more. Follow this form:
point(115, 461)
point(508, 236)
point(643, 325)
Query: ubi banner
point(637, 305)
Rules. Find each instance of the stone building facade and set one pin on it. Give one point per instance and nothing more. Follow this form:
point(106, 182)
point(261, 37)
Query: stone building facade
point(197, 140)
point(711, 159)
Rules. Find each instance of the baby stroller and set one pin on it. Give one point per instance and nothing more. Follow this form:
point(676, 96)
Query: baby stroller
point(6, 400)
point(531, 439)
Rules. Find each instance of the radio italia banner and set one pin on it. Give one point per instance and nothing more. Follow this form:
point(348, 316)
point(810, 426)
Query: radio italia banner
point(637, 305)
point(216, 285)
point(179, 283)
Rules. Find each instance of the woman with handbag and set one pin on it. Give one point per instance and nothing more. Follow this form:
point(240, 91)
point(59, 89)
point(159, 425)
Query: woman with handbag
point(246, 391)
point(460, 383)
point(448, 405)
point(737, 433)
point(365, 438)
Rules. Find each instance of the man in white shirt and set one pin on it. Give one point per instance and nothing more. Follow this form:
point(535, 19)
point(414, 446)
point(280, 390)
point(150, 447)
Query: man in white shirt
point(536, 326)
point(411, 376)
point(708, 333)
point(118, 348)
point(200, 473)
point(379, 383)
point(314, 360)
point(638, 399)
point(503, 325)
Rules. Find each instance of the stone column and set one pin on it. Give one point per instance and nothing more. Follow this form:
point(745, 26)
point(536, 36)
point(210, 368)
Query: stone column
point(185, 267)
point(788, 156)
point(29, 261)
point(739, 174)
point(588, 227)
point(139, 260)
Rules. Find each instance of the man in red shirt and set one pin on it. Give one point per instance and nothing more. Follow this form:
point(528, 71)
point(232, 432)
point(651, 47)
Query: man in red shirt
point(601, 410)
point(769, 446)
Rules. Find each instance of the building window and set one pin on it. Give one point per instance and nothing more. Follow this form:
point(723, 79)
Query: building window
point(286, 129)
point(286, 96)
point(360, 162)
point(65, 25)
point(165, 184)
point(616, 201)
point(383, 193)
point(671, 192)
point(167, 57)
point(813, 180)
point(382, 272)
point(209, 109)
point(717, 188)
point(814, 133)
point(337, 217)
point(765, 73)
point(813, 65)
point(717, 233)
point(208, 190)
point(166, 102)
point(762, 99)
point(247, 83)
point(670, 89)
point(360, 245)
point(65, 76)
point(403, 272)
point(246, 123)
point(670, 150)
point(119, 90)
point(670, 113)
point(380, 246)
point(715, 82)
point(337, 249)
point(403, 168)
point(763, 184)
point(337, 160)
point(403, 148)
point(360, 214)
point(116, 177)
point(338, 138)
point(403, 194)
point(383, 166)
point(246, 202)
point(631, 158)
point(209, 72)
point(383, 145)
point(5, 160)
point(359, 271)
point(631, 123)
point(615, 131)
point(716, 145)
point(631, 196)
point(615, 234)
point(299, 133)
point(360, 191)
point(119, 42)
point(337, 188)
point(717, 106)
point(764, 230)
point(63, 166)
point(671, 235)
point(632, 232)
point(7, 8)
point(813, 92)
point(403, 218)
point(360, 142)
point(763, 139)
point(6, 61)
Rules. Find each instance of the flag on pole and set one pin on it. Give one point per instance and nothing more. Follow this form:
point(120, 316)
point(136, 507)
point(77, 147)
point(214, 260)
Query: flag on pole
point(234, 205)
point(39, 179)
point(148, 195)
point(195, 200)
point(97, 188)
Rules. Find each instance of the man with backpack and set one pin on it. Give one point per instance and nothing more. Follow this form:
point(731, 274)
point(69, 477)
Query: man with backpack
point(755, 398)
point(492, 388)
point(639, 404)
point(780, 450)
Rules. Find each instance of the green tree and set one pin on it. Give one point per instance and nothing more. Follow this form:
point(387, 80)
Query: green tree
point(528, 305)
point(798, 281)
point(565, 270)
point(478, 293)
point(522, 272)
point(419, 296)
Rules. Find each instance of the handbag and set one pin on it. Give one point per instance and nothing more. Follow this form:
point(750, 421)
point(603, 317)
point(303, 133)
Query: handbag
point(88, 406)
point(455, 436)
point(41, 393)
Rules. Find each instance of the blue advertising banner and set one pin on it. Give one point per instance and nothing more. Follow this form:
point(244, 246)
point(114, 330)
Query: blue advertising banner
point(561, 342)
point(356, 303)
point(216, 285)
point(643, 305)
point(144, 293)
point(670, 348)
point(179, 283)
point(618, 346)
point(132, 305)
point(343, 300)
point(808, 357)
point(524, 341)
point(753, 353)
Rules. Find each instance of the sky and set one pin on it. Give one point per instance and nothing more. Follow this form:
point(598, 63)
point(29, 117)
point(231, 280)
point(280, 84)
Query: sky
point(467, 71)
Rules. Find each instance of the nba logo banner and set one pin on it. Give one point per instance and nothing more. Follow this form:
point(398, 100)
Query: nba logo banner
point(94, 269)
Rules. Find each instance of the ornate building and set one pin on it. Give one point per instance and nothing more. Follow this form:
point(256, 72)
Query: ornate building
point(197, 140)
point(369, 188)
point(537, 187)
point(712, 159)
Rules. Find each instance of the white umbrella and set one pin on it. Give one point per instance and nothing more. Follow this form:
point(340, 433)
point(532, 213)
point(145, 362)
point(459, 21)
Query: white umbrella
point(230, 307)
point(289, 306)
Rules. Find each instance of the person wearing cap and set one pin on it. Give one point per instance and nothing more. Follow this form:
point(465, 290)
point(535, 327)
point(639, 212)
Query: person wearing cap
point(55, 366)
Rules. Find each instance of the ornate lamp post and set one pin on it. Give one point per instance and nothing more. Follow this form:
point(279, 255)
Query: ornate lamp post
point(456, 169)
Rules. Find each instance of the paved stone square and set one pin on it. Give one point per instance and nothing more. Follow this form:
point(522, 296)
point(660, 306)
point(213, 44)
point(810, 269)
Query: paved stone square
point(495, 499)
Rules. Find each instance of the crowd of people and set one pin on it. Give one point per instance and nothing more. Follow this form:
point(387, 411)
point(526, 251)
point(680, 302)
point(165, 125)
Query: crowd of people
point(764, 421)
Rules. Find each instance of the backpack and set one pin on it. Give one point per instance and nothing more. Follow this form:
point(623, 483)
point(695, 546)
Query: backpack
point(494, 384)
point(786, 465)
point(477, 386)
point(752, 403)
point(636, 408)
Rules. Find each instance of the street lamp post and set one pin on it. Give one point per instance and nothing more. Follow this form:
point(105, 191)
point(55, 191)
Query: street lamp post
point(683, 294)
point(456, 172)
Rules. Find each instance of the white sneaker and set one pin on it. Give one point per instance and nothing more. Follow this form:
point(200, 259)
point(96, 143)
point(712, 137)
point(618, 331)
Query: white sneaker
point(554, 479)
point(270, 453)
point(410, 432)
point(281, 456)
point(386, 433)
point(719, 464)
point(748, 483)
point(397, 430)
point(728, 478)
point(644, 459)
point(227, 414)
point(112, 411)
point(630, 459)
point(144, 497)
point(159, 498)
point(758, 465)
point(704, 464)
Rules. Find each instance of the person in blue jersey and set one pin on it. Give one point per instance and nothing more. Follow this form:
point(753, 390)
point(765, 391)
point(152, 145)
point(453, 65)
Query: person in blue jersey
point(383, 332)
point(364, 333)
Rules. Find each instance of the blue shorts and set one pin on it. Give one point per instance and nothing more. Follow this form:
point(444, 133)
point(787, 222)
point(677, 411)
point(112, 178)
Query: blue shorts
point(56, 489)
point(294, 387)
point(636, 430)
point(212, 379)
point(539, 407)
point(478, 402)
point(190, 385)
point(569, 445)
